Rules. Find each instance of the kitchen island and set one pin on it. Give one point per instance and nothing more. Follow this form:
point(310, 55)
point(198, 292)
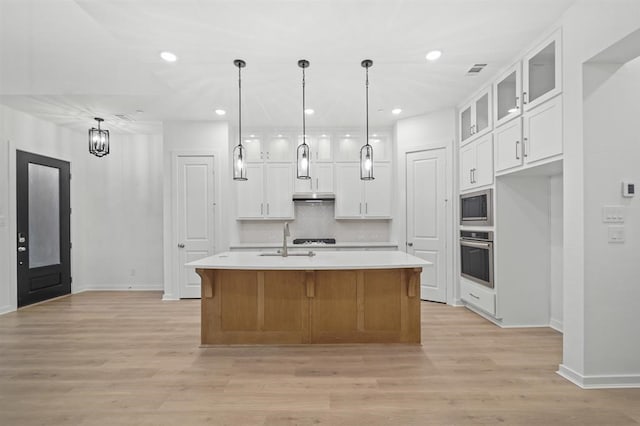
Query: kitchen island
point(330, 297)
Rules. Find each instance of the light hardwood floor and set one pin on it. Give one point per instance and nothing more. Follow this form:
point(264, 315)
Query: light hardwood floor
point(104, 358)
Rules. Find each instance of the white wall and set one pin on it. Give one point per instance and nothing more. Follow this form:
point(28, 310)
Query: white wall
point(588, 28)
point(195, 137)
point(555, 254)
point(430, 131)
point(612, 271)
point(115, 225)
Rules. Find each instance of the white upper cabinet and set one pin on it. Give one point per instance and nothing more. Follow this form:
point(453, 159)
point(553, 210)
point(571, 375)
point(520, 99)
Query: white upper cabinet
point(348, 146)
point(476, 163)
point(253, 149)
point(476, 116)
point(508, 146)
point(537, 136)
point(542, 72)
point(321, 179)
point(358, 199)
point(267, 193)
point(279, 148)
point(507, 93)
point(320, 148)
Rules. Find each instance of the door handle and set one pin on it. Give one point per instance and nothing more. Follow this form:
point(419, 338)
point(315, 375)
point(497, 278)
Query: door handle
point(517, 145)
point(524, 98)
point(22, 249)
point(410, 244)
point(524, 147)
point(181, 245)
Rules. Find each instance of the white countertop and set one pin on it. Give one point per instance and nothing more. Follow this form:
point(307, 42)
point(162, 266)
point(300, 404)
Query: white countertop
point(327, 260)
point(349, 244)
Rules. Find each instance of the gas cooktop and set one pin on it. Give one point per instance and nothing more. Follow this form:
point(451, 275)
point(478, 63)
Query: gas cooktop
point(314, 241)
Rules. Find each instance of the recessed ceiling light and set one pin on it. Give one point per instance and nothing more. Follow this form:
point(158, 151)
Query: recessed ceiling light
point(279, 136)
point(309, 111)
point(252, 136)
point(374, 135)
point(168, 56)
point(347, 135)
point(396, 111)
point(434, 55)
point(323, 136)
point(221, 112)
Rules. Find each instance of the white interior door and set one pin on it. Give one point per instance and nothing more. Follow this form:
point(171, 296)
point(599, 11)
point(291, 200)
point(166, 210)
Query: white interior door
point(195, 230)
point(426, 222)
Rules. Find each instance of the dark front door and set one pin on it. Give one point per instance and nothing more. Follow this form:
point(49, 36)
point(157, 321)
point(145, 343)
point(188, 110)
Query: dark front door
point(43, 212)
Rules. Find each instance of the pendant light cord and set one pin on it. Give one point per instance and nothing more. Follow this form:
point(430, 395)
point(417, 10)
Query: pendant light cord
point(304, 124)
point(367, 101)
point(239, 106)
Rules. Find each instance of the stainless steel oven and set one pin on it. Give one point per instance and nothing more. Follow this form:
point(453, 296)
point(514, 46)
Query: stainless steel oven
point(476, 256)
point(476, 208)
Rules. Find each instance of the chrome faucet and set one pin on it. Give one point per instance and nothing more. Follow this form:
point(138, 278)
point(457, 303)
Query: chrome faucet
point(285, 234)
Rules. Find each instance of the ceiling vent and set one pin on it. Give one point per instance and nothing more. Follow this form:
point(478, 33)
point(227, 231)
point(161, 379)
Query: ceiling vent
point(123, 117)
point(475, 69)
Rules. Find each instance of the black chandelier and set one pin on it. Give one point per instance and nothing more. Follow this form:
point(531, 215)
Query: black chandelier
point(239, 159)
point(98, 140)
point(302, 158)
point(366, 152)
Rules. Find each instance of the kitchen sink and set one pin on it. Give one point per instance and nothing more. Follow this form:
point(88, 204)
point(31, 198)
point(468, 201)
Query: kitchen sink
point(279, 253)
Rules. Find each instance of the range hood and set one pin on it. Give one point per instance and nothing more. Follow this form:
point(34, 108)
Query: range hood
point(314, 197)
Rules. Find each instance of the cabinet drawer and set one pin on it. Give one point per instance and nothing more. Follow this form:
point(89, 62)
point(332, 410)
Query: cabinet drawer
point(478, 296)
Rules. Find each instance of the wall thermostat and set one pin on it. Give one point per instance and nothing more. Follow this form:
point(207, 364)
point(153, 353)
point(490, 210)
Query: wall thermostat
point(628, 189)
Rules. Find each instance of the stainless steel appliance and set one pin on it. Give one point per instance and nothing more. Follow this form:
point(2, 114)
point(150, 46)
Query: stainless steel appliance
point(314, 241)
point(476, 256)
point(476, 208)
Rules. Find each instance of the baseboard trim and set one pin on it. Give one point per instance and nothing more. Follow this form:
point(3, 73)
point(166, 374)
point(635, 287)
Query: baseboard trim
point(599, 381)
point(556, 325)
point(122, 287)
point(169, 297)
point(6, 309)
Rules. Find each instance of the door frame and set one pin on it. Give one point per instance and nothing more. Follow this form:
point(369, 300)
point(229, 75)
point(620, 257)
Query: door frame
point(452, 292)
point(171, 273)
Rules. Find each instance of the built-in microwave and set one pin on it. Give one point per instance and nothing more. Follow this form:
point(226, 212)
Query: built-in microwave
point(476, 208)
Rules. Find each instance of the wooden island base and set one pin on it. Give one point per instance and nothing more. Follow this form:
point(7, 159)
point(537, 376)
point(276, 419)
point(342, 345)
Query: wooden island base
point(320, 306)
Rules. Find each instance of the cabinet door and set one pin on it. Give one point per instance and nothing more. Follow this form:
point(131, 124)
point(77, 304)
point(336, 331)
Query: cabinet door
point(467, 164)
point(321, 148)
point(543, 131)
point(253, 148)
point(348, 191)
point(506, 96)
point(377, 192)
point(348, 147)
point(542, 72)
point(279, 191)
point(482, 122)
point(465, 123)
point(508, 141)
point(303, 185)
point(483, 171)
point(249, 193)
point(279, 149)
point(322, 179)
point(381, 147)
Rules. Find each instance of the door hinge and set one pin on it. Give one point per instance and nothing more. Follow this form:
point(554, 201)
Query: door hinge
point(69, 176)
point(70, 280)
point(70, 210)
point(70, 245)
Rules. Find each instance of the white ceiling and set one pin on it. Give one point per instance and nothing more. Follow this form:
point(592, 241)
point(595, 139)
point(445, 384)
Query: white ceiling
point(68, 61)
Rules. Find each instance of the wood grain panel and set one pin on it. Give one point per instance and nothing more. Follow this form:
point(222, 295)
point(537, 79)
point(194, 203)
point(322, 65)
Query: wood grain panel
point(382, 292)
point(335, 302)
point(285, 301)
point(239, 300)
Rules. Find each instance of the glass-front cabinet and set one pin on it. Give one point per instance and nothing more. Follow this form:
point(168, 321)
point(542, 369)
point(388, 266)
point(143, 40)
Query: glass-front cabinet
point(476, 116)
point(542, 72)
point(507, 93)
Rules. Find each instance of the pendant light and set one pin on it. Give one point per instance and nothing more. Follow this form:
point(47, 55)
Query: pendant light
point(98, 140)
point(239, 158)
point(302, 157)
point(366, 152)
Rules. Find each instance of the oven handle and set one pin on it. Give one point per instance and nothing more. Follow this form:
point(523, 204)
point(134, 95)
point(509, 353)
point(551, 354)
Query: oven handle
point(477, 244)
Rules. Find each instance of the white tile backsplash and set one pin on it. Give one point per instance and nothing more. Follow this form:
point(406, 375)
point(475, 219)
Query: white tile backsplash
point(316, 221)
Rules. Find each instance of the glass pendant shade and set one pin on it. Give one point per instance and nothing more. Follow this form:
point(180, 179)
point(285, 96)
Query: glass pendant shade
point(98, 140)
point(303, 161)
point(366, 162)
point(239, 163)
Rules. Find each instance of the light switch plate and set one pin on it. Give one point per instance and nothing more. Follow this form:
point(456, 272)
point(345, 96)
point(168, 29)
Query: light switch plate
point(616, 234)
point(613, 214)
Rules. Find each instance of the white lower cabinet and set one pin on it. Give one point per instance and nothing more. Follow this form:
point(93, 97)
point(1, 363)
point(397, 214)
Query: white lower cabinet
point(358, 199)
point(267, 193)
point(321, 179)
point(478, 296)
point(476, 163)
point(535, 137)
